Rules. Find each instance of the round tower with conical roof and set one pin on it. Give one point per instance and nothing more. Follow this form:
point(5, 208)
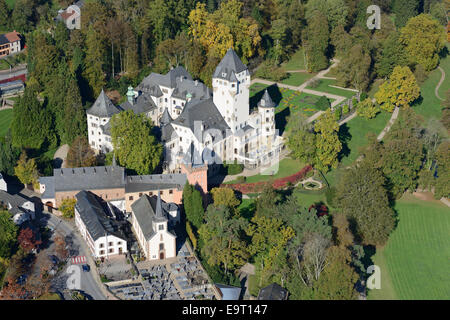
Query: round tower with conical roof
point(266, 109)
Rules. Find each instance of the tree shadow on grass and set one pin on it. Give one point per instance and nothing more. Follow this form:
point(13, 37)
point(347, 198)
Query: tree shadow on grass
point(344, 137)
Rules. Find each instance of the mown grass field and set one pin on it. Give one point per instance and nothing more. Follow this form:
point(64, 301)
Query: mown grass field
point(5, 121)
point(296, 62)
point(415, 262)
point(428, 105)
point(297, 78)
point(324, 86)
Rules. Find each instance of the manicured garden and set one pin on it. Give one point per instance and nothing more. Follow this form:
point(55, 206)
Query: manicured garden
point(5, 121)
point(414, 263)
point(324, 86)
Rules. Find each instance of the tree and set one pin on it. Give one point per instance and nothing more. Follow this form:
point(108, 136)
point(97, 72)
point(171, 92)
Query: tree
point(8, 154)
point(67, 208)
point(338, 279)
point(26, 170)
point(22, 15)
point(266, 203)
point(399, 91)
point(423, 38)
point(60, 247)
point(12, 290)
point(31, 124)
point(392, 54)
point(301, 139)
point(315, 42)
point(327, 142)
point(27, 240)
point(336, 11)
point(374, 223)
point(404, 10)
point(312, 258)
point(95, 52)
point(80, 154)
point(8, 234)
point(222, 236)
point(354, 68)
point(4, 14)
point(135, 146)
point(403, 153)
point(227, 198)
point(367, 109)
point(269, 237)
point(193, 205)
point(442, 187)
point(438, 12)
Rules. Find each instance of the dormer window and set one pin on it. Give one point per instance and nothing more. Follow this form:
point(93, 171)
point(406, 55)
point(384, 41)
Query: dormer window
point(224, 74)
point(161, 227)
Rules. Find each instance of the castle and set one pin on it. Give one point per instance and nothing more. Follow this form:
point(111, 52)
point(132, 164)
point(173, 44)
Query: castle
point(198, 126)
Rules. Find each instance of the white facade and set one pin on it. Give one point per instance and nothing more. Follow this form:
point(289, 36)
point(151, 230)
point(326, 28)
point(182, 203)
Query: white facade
point(103, 247)
point(98, 139)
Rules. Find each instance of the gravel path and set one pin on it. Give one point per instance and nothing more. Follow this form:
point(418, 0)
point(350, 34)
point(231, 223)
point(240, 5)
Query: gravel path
point(436, 90)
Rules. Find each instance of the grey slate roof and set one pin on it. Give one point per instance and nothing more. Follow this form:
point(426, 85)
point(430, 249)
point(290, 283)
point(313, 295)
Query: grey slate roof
point(167, 133)
point(169, 80)
point(266, 101)
point(49, 183)
point(88, 178)
point(204, 111)
point(144, 210)
point(165, 118)
point(103, 107)
point(15, 200)
point(106, 128)
point(155, 182)
point(229, 66)
point(142, 104)
point(196, 88)
point(94, 216)
point(273, 292)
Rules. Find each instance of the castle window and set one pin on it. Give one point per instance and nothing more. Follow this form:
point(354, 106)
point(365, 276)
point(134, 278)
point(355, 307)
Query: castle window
point(161, 227)
point(161, 246)
point(110, 250)
point(170, 191)
point(150, 193)
point(130, 198)
point(102, 252)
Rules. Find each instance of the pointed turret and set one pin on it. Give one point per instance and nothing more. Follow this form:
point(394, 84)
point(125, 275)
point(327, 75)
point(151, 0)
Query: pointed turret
point(229, 65)
point(266, 101)
point(165, 118)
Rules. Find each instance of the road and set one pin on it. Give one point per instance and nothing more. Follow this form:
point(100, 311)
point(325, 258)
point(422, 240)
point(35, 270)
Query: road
point(77, 247)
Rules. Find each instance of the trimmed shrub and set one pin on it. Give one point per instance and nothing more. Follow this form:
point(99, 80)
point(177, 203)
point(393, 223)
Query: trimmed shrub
point(314, 83)
point(345, 109)
point(323, 103)
point(338, 113)
point(241, 179)
point(233, 168)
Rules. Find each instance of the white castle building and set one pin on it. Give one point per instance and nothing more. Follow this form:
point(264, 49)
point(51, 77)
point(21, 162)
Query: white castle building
point(198, 126)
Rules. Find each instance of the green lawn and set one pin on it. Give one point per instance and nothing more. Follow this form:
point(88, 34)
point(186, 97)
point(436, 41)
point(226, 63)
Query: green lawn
point(297, 78)
point(296, 62)
point(5, 121)
point(429, 106)
point(247, 208)
point(285, 168)
point(324, 86)
point(355, 133)
point(4, 65)
point(415, 261)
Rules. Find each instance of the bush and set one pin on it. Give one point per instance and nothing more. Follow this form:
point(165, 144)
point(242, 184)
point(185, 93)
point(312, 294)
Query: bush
point(345, 109)
point(338, 113)
point(233, 168)
point(323, 103)
point(363, 96)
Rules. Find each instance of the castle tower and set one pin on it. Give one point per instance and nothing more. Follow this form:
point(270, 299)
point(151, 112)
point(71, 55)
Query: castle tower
point(231, 90)
point(266, 109)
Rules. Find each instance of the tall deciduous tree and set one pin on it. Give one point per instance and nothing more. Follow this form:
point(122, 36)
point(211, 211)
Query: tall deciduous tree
point(374, 223)
point(80, 154)
point(135, 146)
point(399, 91)
point(423, 38)
point(95, 53)
point(193, 205)
point(8, 234)
point(225, 197)
point(315, 42)
point(301, 139)
point(222, 235)
point(354, 68)
point(327, 142)
point(26, 170)
point(404, 10)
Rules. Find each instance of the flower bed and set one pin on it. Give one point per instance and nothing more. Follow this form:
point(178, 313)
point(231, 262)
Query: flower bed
point(280, 183)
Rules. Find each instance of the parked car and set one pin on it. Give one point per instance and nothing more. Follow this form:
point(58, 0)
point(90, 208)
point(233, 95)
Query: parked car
point(86, 267)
